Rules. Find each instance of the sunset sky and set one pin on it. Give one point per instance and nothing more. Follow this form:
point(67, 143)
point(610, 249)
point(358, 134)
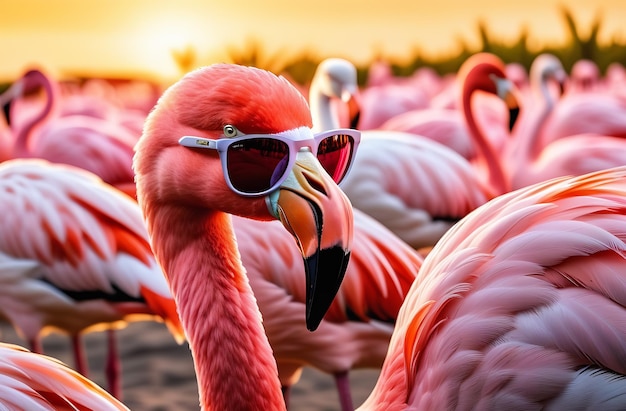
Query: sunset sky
point(113, 37)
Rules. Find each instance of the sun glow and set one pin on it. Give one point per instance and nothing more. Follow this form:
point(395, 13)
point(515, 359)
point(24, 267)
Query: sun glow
point(162, 39)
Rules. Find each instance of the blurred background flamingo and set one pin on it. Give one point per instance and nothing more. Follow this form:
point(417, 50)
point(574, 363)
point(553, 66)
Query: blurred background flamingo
point(394, 170)
point(90, 138)
point(75, 258)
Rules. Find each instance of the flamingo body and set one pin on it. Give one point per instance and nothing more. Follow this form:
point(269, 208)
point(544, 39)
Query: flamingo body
point(78, 261)
point(388, 187)
point(391, 167)
point(92, 141)
point(30, 381)
point(520, 306)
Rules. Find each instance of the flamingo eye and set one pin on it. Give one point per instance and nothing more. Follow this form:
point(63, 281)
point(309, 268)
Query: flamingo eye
point(230, 131)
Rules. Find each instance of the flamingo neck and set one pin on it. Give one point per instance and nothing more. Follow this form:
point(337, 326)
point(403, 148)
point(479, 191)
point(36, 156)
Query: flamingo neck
point(25, 133)
point(526, 148)
point(324, 118)
point(486, 155)
point(531, 142)
point(233, 360)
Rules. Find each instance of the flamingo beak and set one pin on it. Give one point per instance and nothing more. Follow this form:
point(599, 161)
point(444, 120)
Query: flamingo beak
point(505, 89)
point(354, 109)
point(319, 215)
point(512, 103)
point(513, 115)
point(7, 97)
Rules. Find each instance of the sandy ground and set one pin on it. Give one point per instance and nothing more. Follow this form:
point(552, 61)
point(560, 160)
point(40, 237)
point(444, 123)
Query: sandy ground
point(158, 373)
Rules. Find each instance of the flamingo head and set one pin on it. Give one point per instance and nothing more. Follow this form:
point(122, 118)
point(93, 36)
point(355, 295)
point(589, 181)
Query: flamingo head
point(30, 83)
point(486, 72)
point(547, 67)
point(336, 78)
point(210, 103)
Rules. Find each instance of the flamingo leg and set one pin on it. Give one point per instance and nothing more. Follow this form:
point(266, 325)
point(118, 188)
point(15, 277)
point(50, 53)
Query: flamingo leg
point(343, 387)
point(113, 366)
point(80, 363)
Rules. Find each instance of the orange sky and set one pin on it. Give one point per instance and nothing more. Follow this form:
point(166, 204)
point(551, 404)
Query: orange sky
point(116, 36)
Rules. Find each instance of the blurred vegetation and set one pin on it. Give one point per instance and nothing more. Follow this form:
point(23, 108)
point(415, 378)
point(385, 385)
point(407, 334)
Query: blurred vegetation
point(301, 67)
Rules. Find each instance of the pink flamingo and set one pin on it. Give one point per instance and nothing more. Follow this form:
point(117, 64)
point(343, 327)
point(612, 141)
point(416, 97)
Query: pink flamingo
point(191, 201)
point(517, 73)
point(530, 162)
point(33, 381)
point(94, 144)
point(389, 98)
point(80, 261)
point(447, 125)
point(615, 80)
point(381, 270)
point(586, 110)
point(392, 167)
point(443, 125)
point(585, 76)
point(519, 306)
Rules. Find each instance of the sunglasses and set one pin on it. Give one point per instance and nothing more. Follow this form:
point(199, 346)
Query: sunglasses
point(257, 164)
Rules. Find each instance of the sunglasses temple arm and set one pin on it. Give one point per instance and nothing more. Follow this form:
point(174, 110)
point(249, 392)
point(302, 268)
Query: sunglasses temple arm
point(197, 142)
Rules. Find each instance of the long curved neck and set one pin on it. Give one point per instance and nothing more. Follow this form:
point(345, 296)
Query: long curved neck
point(21, 147)
point(324, 118)
point(530, 141)
point(487, 157)
point(234, 364)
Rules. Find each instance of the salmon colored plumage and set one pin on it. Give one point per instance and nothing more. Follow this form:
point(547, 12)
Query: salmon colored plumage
point(392, 168)
point(95, 143)
point(529, 160)
point(356, 330)
point(79, 261)
point(520, 306)
point(31, 381)
point(185, 201)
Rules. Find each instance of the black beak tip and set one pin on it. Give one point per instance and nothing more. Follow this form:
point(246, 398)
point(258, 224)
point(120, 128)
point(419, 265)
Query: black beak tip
point(513, 114)
point(325, 271)
point(354, 120)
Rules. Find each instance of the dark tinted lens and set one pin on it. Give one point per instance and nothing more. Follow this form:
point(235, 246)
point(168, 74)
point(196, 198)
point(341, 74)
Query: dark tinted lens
point(335, 155)
point(254, 165)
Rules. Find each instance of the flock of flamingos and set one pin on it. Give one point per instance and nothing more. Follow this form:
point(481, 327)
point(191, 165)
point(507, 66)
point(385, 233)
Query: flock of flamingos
point(472, 233)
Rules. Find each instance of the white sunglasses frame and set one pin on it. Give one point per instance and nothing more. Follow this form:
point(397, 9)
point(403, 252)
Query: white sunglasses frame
point(294, 145)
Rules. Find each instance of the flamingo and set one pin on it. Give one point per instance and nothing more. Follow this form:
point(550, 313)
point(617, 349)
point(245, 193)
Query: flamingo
point(380, 272)
point(32, 381)
point(392, 168)
point(586, 108)
point(184, 190)
point(80, 261)
point(447, 125)
point(94, 144)
point(585, 76)
point(388, 96)
point(519, 306)
point(529, 161)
